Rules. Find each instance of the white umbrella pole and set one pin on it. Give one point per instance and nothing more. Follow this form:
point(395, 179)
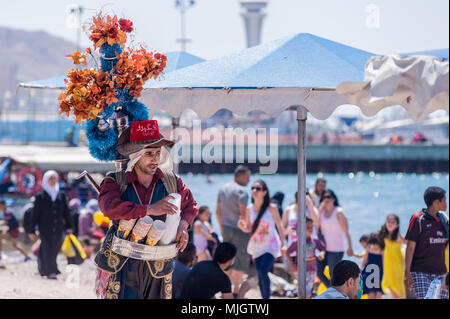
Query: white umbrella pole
point(301, 200)
point(175, 124)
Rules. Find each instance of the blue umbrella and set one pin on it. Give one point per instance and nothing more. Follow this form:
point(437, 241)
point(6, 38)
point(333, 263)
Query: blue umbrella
point(284, 73)
point(300, 71)
point(175, 60)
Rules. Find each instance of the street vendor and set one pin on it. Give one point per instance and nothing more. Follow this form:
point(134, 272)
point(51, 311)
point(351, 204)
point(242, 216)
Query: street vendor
point(143, 190)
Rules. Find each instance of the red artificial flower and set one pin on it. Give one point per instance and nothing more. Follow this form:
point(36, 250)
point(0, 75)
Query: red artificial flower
point(126, 25)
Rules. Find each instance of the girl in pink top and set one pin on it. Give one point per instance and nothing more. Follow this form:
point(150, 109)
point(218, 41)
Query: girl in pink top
point(334, 227)
point(203, 233)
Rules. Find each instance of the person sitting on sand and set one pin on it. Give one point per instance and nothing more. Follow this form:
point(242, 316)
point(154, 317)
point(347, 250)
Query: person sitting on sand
point(345, 281)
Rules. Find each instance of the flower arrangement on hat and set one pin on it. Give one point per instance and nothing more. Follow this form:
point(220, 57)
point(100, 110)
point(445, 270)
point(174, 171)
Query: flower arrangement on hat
point(93, 93)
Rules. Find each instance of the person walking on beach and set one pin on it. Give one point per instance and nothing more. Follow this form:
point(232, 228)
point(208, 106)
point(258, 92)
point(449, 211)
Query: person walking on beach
point(142, 191)
point(372, 267)
point(345, 281)
point(51, 216)
point(262, 220)
point(13, 229)
point(334, 226)
point(319, 187)
point(231, 207)
point(203, 233)
point(394, 259)
point(427, 238)
point(315, 250)
point(289, 223)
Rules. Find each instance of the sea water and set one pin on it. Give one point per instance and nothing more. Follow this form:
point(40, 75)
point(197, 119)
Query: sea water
point(366, 198)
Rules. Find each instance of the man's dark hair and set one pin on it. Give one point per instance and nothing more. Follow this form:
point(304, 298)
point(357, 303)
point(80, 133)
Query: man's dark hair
point(364, 238)
point(188, 254)
point(224, 252)
point(240, 169)
point(433, 193)
point(320, 179)
point(309, 219)
point(343, 271)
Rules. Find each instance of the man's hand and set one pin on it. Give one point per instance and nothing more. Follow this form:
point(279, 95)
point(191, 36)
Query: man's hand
point(162, 207)
point(32, 236)
point(321, 255)
point(350, 252)
point(182, 235)
point(408, 280)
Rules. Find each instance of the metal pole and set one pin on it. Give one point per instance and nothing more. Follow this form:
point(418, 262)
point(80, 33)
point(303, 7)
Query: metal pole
point(301, 201)
point(175, 125)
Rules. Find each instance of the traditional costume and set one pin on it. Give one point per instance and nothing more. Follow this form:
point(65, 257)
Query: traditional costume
point(120, 275)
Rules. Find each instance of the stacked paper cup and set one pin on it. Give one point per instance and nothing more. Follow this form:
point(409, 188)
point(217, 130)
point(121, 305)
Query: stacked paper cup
point(172, 221)
point(125, 227)
point(141, 229)
point(155, 233)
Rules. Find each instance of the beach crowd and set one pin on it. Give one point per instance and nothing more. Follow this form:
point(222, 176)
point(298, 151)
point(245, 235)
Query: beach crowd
point(258, 239)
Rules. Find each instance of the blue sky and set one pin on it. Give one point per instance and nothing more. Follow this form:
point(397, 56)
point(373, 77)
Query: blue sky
point(216, 27)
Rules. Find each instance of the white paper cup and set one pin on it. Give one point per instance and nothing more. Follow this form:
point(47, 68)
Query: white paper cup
point(176, 201)
point(141, 228)
point(125, 227)
point(155, 233)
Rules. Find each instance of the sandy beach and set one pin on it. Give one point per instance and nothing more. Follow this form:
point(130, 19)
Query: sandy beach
point(21, 280)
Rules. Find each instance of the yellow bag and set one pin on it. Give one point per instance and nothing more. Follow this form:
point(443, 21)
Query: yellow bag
point(70, 244)
point(67, 247)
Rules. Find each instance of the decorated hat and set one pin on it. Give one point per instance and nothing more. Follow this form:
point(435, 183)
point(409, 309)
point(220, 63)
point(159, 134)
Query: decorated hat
point(140, 135)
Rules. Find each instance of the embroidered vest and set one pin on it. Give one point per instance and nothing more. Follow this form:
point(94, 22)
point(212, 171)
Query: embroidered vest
point(111, 262)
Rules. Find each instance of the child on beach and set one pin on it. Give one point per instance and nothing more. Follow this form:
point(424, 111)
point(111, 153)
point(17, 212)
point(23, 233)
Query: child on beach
point(203, 233)
point(394, 259)
point(9, 222)
point(363, 241)
point(372, 267)
point(315, 248)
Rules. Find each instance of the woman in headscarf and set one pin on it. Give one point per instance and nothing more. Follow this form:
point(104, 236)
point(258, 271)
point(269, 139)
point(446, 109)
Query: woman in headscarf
point(51, 216)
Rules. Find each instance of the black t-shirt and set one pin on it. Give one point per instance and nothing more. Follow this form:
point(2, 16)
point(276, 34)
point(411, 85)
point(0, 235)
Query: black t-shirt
point(205, 280)
point(429, 235)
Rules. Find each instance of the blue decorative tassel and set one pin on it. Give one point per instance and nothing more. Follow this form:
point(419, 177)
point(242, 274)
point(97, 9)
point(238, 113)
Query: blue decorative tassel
point(103, 145)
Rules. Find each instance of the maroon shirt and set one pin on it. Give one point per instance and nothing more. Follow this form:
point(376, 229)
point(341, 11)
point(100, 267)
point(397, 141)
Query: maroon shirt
point(114, 207)
point(429, 236)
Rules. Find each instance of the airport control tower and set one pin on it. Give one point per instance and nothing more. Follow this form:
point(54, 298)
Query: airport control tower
point(253, 18)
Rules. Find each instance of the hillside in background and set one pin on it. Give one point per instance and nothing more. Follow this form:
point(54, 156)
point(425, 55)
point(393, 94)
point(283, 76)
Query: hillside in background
point(32, 55)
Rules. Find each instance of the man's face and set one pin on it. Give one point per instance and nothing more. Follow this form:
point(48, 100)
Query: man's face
point(442, 204)
point(353, 286)
point(148, 163)
point(2, 207)
point(320, 187)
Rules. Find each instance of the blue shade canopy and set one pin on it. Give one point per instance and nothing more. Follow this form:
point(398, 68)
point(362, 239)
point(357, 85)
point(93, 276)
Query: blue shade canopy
point(302, 61)
point(175, 60)
point(439, 53)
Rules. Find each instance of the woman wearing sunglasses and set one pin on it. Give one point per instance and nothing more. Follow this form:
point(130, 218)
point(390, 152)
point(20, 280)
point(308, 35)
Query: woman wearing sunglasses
point(262, 221)
point(334, 227)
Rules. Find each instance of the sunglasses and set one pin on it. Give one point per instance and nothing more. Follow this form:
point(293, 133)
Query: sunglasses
point(328, 196)
point(258, 189)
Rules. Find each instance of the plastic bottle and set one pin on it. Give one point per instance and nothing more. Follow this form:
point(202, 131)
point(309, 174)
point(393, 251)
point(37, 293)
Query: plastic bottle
point(434, 291)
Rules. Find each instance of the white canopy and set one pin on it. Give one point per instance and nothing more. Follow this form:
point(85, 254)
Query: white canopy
point(419, 83)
